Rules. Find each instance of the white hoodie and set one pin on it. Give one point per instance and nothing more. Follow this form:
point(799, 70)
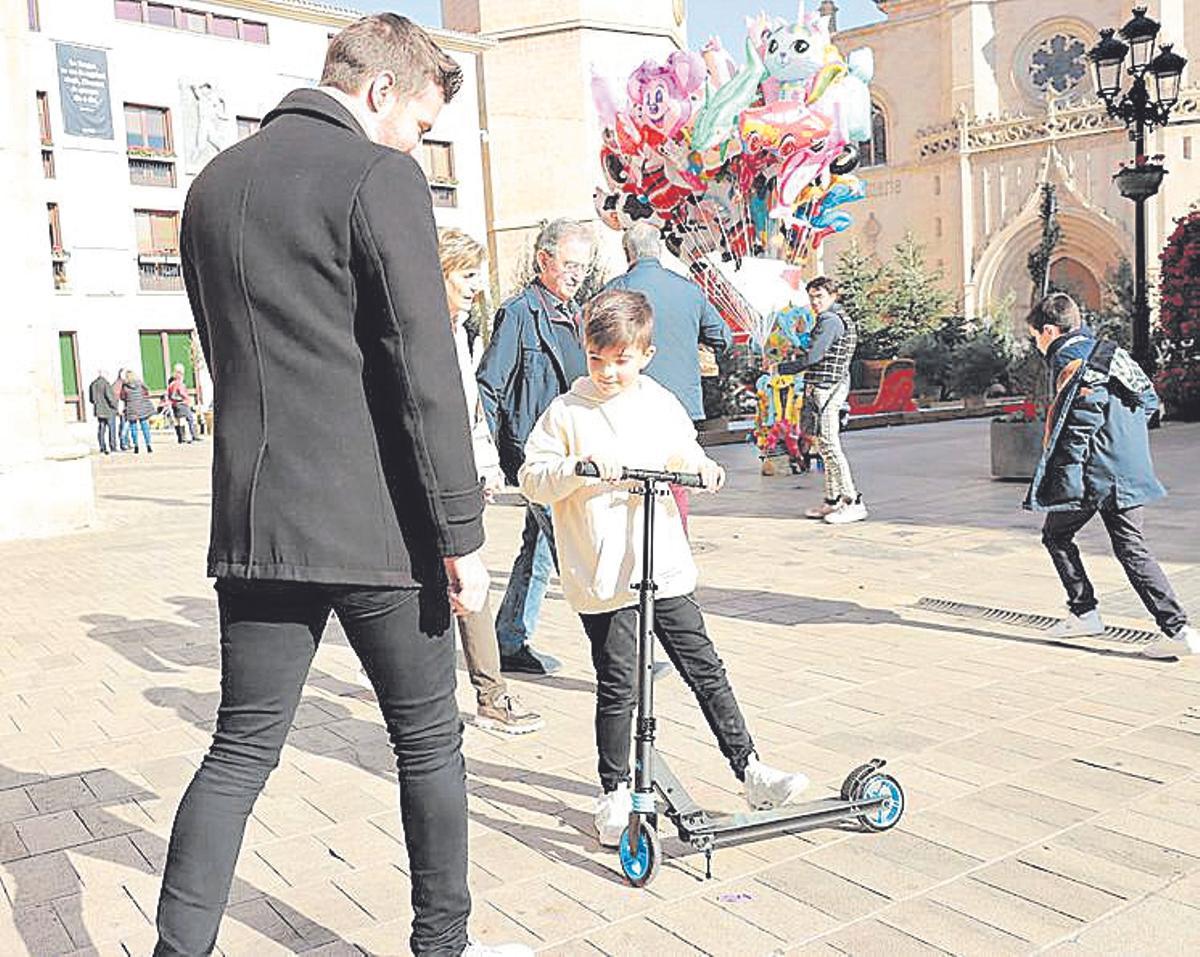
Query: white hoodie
point(598, 525)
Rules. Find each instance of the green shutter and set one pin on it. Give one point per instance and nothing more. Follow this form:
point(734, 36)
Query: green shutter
point(179, 345)
point(153, 373)
point(66, 353)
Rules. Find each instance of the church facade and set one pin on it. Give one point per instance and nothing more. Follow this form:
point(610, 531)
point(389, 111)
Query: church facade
point(978, 103)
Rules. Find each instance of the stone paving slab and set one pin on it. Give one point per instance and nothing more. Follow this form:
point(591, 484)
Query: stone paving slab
point(1052, 786)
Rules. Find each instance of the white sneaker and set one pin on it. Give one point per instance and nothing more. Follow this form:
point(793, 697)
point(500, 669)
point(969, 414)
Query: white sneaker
point(476, 949)
point(846, 513)
point(1184, 642)
point(1078, 626)
point(612, 815)
point(820, 511)
point(767, 787)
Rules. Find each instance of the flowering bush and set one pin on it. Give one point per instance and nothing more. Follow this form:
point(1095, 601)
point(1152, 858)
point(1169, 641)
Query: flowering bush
point(1179, 320)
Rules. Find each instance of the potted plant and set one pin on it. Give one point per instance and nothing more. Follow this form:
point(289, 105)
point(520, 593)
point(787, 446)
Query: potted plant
point(1140, 179)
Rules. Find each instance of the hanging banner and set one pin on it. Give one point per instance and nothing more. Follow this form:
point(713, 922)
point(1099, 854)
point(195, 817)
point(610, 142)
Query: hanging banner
point(83, 88)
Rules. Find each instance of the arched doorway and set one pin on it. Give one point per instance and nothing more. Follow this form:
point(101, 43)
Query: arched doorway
point(1075, 278)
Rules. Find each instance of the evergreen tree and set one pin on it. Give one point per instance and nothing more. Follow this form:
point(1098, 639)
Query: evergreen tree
point(1040, 258)
point(1115, 319)
point(912, 300)
point(857, 275)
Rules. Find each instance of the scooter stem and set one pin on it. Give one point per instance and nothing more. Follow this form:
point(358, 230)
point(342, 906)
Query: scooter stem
point(643, 774)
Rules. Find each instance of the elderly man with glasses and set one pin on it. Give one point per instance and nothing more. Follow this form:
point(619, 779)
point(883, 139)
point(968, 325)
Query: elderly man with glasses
point(534, 355)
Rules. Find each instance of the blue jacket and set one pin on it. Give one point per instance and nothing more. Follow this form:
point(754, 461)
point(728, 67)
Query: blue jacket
point(683, 317)
point(525, 367)
point(1097, 446)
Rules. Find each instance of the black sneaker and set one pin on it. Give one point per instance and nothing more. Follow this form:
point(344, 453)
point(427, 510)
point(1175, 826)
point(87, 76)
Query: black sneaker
point(526, 661)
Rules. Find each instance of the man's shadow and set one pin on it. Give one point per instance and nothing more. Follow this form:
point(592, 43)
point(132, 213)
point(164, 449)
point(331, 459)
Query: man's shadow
point(328, 730)
point(72, 815)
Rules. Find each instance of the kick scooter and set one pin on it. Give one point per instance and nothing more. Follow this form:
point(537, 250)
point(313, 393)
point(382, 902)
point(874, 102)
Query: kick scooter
point(873, 799)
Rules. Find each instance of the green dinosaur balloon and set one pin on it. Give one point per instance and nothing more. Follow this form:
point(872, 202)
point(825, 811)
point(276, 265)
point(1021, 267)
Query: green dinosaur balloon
point(718, 116)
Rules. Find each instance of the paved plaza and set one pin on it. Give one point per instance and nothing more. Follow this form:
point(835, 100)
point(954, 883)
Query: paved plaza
point(1053, 788)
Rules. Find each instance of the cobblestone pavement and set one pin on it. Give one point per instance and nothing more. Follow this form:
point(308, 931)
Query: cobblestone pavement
point(1052, 787)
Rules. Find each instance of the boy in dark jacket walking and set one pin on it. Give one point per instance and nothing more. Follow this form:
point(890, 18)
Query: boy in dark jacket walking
point(1096, 458)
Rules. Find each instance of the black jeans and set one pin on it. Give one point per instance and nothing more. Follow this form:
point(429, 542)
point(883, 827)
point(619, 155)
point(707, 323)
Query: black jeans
point(679, 626)
point(1129, 545)
point(269, 634)
point(106, 428)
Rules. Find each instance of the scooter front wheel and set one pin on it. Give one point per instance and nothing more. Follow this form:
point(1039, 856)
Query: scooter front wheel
point(887, 789)
point(640, 865)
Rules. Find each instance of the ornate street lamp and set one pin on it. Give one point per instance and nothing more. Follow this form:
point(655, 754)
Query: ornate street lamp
point(1135, 53)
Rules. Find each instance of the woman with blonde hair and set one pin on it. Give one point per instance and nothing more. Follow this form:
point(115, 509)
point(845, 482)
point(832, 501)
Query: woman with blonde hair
point(465, 275)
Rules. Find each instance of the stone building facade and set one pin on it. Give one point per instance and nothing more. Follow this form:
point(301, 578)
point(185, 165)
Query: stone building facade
point(979, 102)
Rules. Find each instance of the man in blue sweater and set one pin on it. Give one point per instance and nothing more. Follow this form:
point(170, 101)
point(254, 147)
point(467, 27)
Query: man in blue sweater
point(684, 319)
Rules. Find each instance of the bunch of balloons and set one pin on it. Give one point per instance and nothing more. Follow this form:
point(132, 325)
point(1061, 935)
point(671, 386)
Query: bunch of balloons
point(744, 165)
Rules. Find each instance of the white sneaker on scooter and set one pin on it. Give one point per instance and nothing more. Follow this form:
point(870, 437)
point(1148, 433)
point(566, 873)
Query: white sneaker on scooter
point(1078, 626)
point(1184, 642)
point(768, 787)
point(476, 949)
point(612, 815)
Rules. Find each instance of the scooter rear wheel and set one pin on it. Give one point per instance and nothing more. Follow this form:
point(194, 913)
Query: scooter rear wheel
point(886, 815)
point(641, 866)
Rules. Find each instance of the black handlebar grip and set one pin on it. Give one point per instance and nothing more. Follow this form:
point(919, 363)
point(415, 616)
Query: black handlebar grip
point(687, 479)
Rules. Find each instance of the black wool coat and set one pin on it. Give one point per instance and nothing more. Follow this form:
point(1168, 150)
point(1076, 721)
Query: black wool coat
point(341, 453)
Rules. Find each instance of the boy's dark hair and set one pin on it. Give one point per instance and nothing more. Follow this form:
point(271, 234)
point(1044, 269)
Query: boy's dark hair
point(618, 318)
point(387, 41)
point(1056, 309)
point(822, 282)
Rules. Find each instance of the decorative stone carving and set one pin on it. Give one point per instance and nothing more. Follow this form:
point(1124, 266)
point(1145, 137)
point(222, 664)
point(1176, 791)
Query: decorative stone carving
point(1076, 116)
point(1058, 65)
point(207, 124)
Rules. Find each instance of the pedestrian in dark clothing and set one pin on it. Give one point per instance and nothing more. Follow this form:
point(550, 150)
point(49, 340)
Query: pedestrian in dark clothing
point(683, 320)
point(1096, 458)
point(104, 407)
point(138, 409)
point(310, 260)
point(534, 355)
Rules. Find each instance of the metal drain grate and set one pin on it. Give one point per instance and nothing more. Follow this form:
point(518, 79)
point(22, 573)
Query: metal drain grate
point(1023, 619)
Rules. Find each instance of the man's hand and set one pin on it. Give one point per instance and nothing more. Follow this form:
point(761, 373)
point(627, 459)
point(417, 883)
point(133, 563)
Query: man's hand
point(609, 467)
point(712, 475)
point(468, 585)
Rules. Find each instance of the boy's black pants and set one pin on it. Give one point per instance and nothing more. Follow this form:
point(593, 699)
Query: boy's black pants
point(1129, 545)
point(679, 626)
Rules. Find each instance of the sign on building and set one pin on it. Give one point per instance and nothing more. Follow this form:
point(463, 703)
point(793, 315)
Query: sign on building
point(83, 89)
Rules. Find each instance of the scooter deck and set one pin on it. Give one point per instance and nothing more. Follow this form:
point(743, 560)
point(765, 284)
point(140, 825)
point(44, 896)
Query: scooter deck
point(747, 825)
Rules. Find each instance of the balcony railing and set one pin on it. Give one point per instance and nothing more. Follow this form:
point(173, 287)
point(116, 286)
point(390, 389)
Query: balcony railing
point(160, 274)
point(151, 172)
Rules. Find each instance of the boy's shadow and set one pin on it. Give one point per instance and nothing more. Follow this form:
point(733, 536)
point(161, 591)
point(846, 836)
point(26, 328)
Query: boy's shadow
point(780, 608)
point(47, 892)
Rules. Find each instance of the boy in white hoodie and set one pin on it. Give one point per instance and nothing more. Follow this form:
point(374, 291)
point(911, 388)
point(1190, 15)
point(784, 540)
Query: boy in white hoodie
point(617, 417)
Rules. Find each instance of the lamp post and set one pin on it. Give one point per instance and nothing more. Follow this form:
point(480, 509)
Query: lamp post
point(1141, 113)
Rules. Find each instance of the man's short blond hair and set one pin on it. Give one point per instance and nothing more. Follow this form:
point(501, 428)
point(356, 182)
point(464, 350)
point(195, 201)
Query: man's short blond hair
point(458, 251)
point(389, 42)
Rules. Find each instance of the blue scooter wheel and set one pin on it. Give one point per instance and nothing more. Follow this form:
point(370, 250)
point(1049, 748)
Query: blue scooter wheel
point(889, 812)
point(641, 866)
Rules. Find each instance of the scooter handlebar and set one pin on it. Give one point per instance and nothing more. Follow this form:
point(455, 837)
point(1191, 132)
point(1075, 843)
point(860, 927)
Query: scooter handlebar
point(688, 479)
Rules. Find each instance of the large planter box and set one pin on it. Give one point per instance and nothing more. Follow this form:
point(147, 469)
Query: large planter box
point(1016, 449)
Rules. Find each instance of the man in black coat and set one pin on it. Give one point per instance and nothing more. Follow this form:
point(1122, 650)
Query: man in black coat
point(104, 405)
point(343, 476)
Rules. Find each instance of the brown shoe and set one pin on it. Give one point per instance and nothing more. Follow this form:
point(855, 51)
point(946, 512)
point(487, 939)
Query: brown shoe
point(507, 714)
